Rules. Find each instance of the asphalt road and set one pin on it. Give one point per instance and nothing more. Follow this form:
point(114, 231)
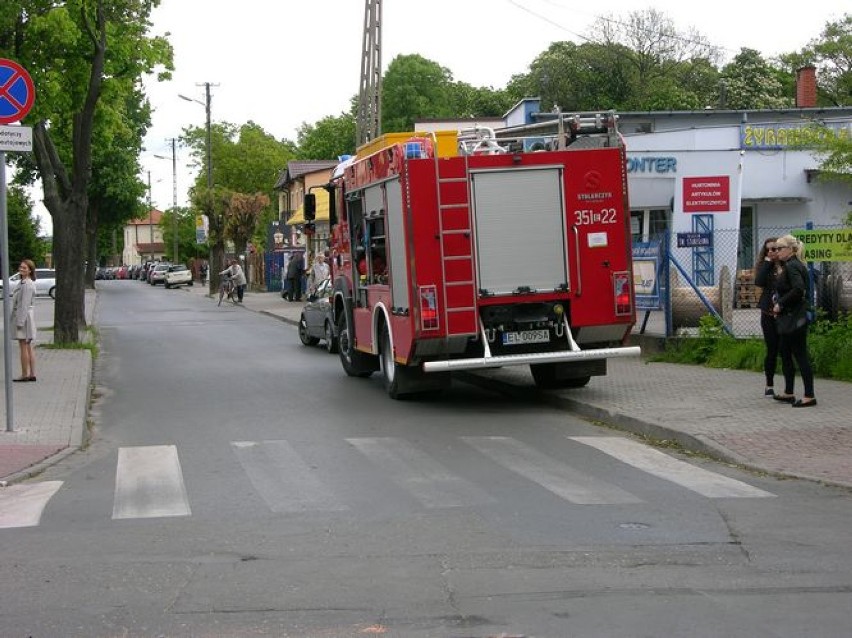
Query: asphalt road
point(239, 484)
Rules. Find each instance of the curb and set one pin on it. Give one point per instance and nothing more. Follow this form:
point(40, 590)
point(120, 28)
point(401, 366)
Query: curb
point(698, 444)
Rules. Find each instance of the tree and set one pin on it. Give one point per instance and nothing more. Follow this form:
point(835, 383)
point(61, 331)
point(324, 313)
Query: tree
point(574, 77)
point(115, 190)
point(328, 138)
point(246, 160)
point(831, 53)
point(64, 45)
point(185, 224)
point(656, 51)
point(212, 203)
point(468, 101)
point(23, 228)
point(752, 83)
point(834, 148)
point(242, 214)
point(414, 87)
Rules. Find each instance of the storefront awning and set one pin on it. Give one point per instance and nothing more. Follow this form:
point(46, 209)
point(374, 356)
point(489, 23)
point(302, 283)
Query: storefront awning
point(298, 216)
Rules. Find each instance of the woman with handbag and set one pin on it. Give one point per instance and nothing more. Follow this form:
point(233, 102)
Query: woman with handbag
point(766, 271)
point(791, 318)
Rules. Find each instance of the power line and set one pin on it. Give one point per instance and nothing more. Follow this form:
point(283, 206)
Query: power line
point(562, 27)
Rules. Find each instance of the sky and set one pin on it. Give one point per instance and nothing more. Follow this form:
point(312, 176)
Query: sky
point(281, 64)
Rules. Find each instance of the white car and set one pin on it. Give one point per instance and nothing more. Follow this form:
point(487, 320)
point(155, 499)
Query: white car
point(45, 282)
point(177, 275)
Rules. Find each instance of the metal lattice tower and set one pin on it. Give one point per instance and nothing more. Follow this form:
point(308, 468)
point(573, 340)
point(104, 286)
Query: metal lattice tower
point(369, 119)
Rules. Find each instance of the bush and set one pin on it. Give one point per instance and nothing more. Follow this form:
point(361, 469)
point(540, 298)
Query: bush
point(829, 344)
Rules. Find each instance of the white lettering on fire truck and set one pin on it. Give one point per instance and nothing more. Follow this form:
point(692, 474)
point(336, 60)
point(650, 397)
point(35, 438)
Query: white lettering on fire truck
point(594, 196)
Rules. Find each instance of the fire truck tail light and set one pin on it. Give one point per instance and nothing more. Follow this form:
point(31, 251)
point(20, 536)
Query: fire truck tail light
point(621, 288)
point(429, 319)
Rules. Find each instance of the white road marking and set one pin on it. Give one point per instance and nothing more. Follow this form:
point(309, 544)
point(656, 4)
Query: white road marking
point(149, 483)
point(425, 478)
point(284, 481)
point(550, 473)
point(22, 505)
point(647, 459)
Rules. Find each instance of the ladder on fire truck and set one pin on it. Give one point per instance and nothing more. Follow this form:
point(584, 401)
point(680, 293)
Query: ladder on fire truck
point(455, 227)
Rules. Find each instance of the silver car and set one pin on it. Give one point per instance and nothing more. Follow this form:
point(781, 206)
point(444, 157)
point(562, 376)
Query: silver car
point(158, 274)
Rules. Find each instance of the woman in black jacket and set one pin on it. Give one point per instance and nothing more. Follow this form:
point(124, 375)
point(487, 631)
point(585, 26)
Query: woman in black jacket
point(766, 270)
point(790, 308)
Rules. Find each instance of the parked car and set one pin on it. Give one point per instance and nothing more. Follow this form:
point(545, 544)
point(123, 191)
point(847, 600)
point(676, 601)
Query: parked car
point(45, 282)
point(316, 322)
point(157, 274)
point(177, 275)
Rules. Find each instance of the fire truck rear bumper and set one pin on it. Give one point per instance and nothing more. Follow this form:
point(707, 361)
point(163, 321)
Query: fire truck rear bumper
point(452, 365)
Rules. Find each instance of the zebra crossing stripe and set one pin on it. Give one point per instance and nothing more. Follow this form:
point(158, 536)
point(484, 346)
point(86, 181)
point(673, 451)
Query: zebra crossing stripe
point(22, 505)
point(284, 481)
point(425, 478)
point(647, 459)
point(551, 474)
point(149, 483)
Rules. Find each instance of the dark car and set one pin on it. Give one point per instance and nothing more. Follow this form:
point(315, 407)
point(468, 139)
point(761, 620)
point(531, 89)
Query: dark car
point(317, 320)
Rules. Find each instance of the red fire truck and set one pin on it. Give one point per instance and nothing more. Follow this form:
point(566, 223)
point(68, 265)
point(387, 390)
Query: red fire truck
point(496, 252)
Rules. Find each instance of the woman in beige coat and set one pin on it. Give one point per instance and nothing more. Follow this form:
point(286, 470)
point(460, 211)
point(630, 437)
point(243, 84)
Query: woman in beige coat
point(24, 315)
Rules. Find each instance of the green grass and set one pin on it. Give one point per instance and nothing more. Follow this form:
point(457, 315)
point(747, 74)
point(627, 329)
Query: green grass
point(829, 344)
point(90, 343)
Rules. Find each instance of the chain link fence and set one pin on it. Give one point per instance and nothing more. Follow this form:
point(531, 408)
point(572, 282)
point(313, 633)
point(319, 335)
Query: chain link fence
point(679, 279)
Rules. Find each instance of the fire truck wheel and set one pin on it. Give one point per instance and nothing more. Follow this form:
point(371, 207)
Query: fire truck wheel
point(304, 337)
point(330, 339)
point(387, 364)
point(355, 363)
point(546, 376)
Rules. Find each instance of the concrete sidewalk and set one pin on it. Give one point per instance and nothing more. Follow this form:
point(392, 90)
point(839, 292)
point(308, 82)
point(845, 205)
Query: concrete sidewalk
point(49, 415)
point(719, 412)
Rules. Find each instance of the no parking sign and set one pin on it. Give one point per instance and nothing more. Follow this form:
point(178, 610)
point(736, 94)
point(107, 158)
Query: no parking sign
point(17, 92)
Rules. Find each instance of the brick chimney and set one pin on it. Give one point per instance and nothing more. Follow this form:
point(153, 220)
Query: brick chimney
point(806, 87)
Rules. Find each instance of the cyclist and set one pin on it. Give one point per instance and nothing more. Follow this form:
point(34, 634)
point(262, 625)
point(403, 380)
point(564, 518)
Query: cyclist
point(237, 276)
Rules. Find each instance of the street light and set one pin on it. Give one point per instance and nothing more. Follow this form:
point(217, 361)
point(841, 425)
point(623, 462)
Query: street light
point(206, 105)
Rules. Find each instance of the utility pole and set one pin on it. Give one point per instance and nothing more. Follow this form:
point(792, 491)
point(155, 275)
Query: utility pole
point(209, 140)
point(369, 120)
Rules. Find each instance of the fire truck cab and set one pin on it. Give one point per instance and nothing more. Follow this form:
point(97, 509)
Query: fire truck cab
point(494, 253)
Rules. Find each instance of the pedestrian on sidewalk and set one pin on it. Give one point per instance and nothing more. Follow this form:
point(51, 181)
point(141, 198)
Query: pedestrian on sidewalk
point(235, 272)
point(295, 270)
point(766, 271)
point(791, 310)
point(319, 273)
point(24, 315)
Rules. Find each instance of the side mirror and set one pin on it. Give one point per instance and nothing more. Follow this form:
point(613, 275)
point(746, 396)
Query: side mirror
point(310, 207)
point(332, 207)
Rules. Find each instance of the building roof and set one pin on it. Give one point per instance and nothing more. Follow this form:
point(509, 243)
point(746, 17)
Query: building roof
point(151, 217)
point(150, 249)
point(297, 168)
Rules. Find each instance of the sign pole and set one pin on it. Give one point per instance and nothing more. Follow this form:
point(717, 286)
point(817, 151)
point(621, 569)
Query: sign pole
point(7, 324)
point(17, 95)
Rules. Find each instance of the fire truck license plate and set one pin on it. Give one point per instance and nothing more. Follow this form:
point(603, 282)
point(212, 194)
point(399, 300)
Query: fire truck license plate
point(526, 336)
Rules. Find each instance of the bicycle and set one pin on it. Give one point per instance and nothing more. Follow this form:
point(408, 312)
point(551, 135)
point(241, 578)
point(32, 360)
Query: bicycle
point(227, 289)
